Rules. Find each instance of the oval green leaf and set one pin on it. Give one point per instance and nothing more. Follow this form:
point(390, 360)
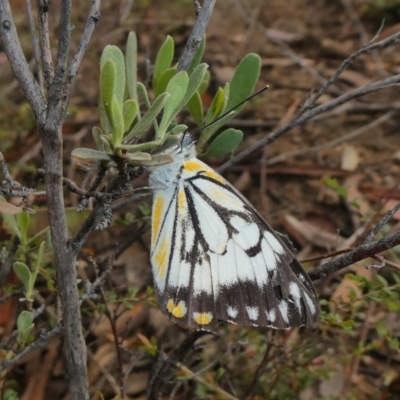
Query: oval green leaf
point(244, 80)
point(129, 111)
point(23, 273)
point(163, 60)
point(24, 321)
point(177, 88)
point(195, 107)
point(163, 81)
point(137, 157)
point(224, 143)
point(114, 54)
point(108, 77)
point(148, 118)
point(159, 159)
point(131, 65)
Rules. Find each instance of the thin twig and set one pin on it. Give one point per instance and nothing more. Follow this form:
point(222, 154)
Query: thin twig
point(370, 46)
point(37, 344)
point(260, 369)
point(360, 253)
point(91, 288)
point(21, 69)
point(164, 367)
point(55, 94)
point(192, 375)
point(308, 115)
point(387, 263)
point(381, 224)
point(12, 294)
point(328, 255)
point(357, 358)
point(285, 49)
point(93, 19)
point(364, 34)
point(35, 43)
point(116, 342)
point(332, 143)
point(44, 41)
point(196, 36)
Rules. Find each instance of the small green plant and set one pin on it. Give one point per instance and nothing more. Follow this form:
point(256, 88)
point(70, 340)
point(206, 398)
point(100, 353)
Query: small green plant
point(123, 125)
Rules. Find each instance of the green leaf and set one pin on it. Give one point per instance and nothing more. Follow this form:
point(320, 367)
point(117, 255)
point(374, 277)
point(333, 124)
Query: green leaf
point(382, 329)
point(141, 146)
point(97, 134)
point(148, 118)
point(108, 78)
point(129, 111)
point(219, 373)
point(32, 281)
point(194, 82)
point(224, 143)
point(164, 79)
point(83, 154)
point(206, 134)
point(179, 129)
point(205, 82)
point(23, 273)
point(23, 220)
point(10, 394)
point(24, 325)
point(381, 280)
point(195, 107)
point(104, 122)
point(131, 65)
point(137, 157)
point(101, 140)
point(217, 107)
point(142, 91)
point(244, 80)
point(159, 159)
point(242, 86)
point(197, 57)
point(117, 122)
point(177, 87)
point(24, 321)
point(164, 59)
point(394, 344)
point(114, 54)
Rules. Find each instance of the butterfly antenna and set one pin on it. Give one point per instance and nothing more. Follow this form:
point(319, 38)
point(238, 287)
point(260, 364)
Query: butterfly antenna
point(232, 109)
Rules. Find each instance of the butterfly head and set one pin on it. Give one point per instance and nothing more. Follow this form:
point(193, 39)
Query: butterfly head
point(183, 149)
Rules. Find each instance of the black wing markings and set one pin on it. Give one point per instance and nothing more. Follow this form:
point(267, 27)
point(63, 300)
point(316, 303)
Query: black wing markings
point(249, 293)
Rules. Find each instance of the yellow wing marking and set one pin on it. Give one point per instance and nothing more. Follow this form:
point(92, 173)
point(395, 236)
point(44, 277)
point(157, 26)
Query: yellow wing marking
point(214, 175)
point(158, 208)
point(192, 166)
point(195, 166)
point(203, 318)
point(225, 198)
point(177, 310)
point(160, 258)
point(181, 200)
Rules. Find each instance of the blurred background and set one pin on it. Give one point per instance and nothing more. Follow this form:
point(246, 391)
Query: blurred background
point(318, 184)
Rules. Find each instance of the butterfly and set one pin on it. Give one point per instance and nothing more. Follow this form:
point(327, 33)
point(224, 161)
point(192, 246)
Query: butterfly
point(214, 257)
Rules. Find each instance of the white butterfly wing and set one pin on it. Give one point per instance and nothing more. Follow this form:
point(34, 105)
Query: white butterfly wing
point(224, 261)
